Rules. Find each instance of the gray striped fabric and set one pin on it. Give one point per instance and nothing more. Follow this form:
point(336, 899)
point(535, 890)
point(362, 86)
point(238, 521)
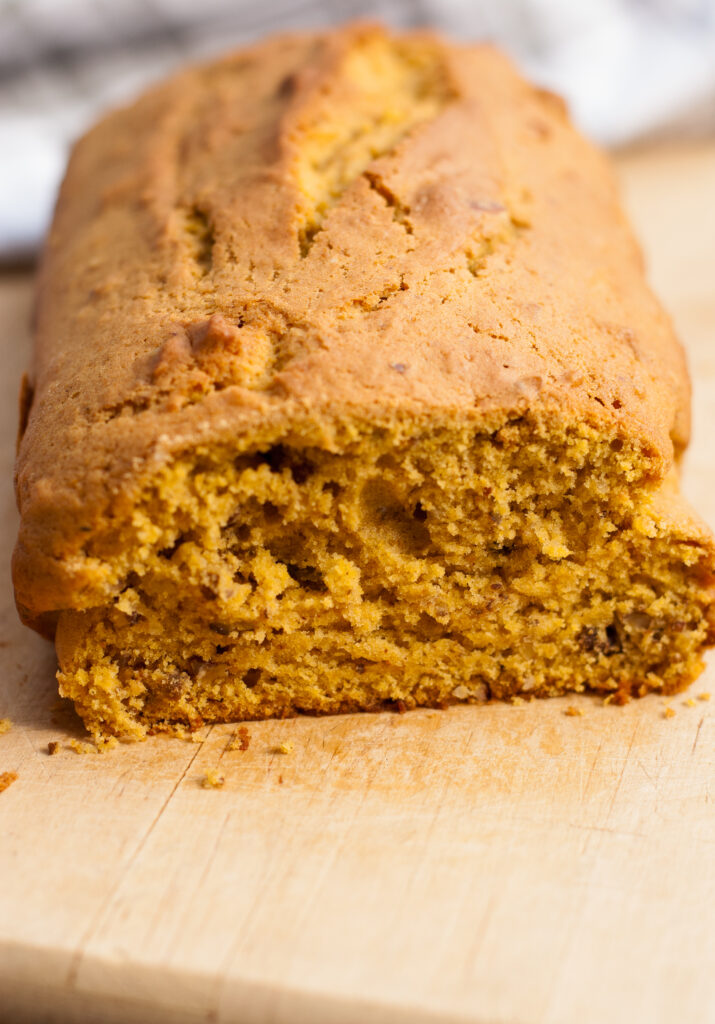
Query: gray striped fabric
point(628, 67)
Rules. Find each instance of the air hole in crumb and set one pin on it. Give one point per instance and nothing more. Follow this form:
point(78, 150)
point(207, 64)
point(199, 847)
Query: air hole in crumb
point(419, 513)
point(387, 461)
point(613, 638)
point(275, 457)
point(307, 576)
point(252, 677)
point(333, 487)
point(167, 552)
point(279, 457)
point(271, 513)
point(383, 508)
point(617, 444)
point(300, 471)
point(252, 461)
point(617, 404)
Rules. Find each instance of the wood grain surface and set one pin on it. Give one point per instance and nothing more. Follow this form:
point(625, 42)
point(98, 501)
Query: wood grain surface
point(494, 865)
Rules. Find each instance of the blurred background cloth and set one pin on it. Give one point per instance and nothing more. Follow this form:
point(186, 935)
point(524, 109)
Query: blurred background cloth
point(629, 68)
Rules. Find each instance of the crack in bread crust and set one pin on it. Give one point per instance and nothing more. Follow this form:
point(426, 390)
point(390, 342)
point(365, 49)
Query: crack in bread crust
point(381, 92)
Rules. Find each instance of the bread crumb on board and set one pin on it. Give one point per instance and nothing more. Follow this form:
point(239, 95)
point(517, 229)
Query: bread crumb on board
point(53, 747)
point(82, 748)
point(690, 702)
point(213, 780)
point(669, 713)
point(5, 726)
point(704, 696)
point(100, 746)
point(619, 698)
point(573, 712)
point(240, 740)
point(6, 780)
point(283, 748)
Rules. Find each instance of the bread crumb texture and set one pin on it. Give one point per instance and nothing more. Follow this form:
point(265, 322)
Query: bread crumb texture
point(5, 726)
point(348, 394)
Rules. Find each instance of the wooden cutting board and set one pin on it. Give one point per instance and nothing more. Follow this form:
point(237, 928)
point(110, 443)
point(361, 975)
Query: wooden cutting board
point(498, 864)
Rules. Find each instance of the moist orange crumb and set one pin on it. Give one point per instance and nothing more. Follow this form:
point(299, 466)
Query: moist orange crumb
point(7, 779)
point(213, 780)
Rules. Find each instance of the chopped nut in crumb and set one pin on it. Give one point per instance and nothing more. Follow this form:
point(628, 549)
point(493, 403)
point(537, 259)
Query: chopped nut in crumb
point(213, 780)
point(573, 712)
point(240, 740)
point(283, 748)
point(5, 726)
point(704, 696)
point(7, 779)
point(669, 713)
point(53, 747)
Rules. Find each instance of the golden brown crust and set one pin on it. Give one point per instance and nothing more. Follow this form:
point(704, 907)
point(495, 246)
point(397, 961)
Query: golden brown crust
point(193, 286)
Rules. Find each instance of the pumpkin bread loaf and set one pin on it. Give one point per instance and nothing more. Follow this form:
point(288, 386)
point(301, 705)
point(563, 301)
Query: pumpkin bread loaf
point(348, 391)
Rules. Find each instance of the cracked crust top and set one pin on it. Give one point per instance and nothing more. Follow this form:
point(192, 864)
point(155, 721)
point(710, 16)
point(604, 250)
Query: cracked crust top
point(325, 224)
